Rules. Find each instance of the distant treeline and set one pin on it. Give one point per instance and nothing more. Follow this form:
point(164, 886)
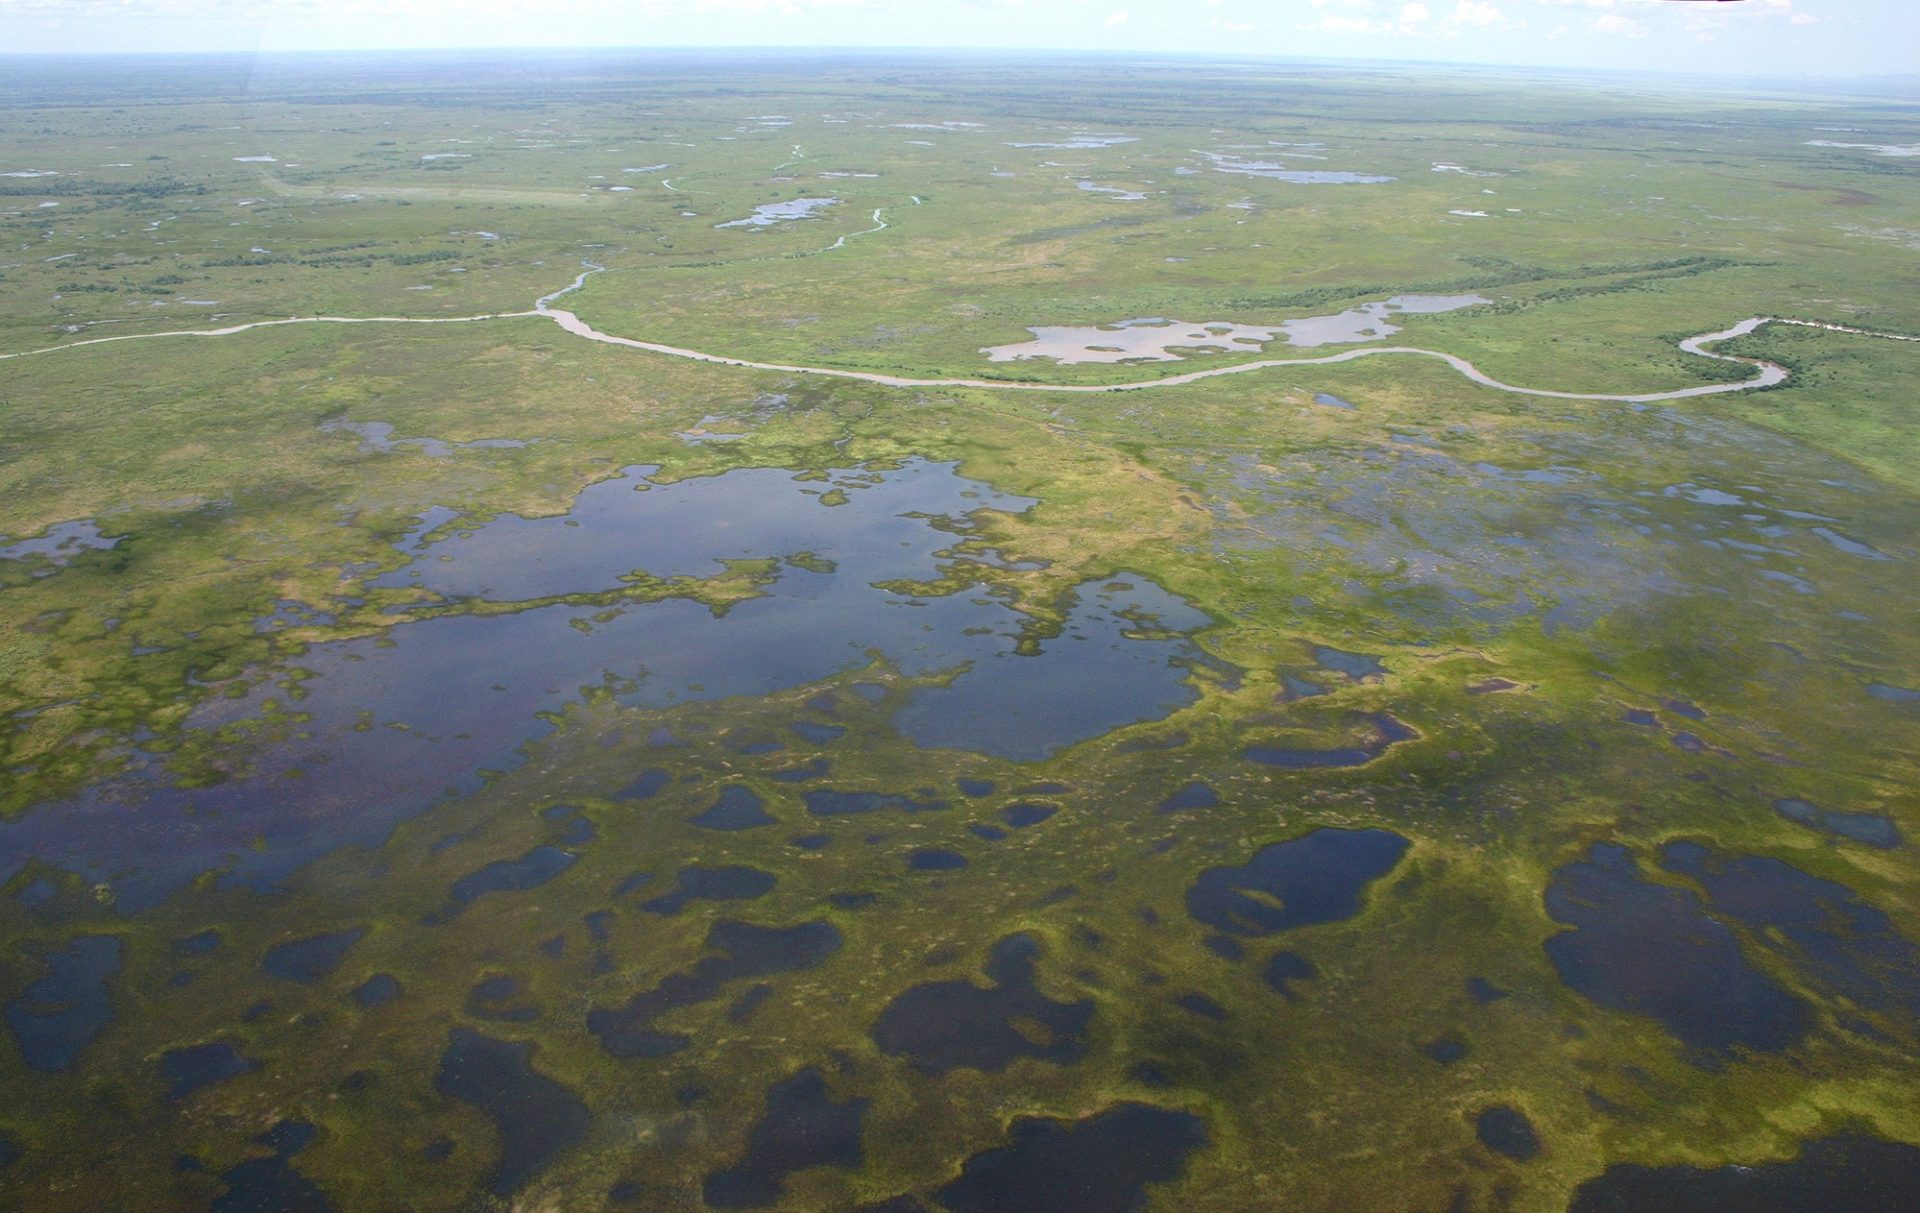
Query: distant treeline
point(70, 188)
point(1498, 272)
point(335, 258)
point(1630, 279)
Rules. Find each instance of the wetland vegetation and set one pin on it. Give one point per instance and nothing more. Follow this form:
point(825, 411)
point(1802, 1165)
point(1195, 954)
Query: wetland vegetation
point(466, 766)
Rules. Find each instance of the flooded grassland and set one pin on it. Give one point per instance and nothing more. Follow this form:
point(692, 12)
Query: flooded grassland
point(469, 767)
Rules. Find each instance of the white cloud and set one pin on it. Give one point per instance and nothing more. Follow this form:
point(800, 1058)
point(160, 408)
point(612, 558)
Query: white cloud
point(1414, 19)
point(1477, 13)
point(1614, 23)
point(1117, 19)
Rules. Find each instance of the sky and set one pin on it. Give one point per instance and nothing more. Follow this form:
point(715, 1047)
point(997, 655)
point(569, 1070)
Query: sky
point(1742, 37)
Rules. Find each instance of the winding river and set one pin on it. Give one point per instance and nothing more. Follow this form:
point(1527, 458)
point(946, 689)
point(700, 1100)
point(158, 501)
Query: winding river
point(1770, 374)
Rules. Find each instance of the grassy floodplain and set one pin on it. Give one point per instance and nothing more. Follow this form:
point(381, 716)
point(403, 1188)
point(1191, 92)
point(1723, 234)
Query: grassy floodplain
point(394, 819)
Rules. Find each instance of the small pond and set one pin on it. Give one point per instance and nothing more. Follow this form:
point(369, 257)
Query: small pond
point(781, 212)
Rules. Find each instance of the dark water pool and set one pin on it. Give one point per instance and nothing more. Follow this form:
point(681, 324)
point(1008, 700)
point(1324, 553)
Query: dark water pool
point(951, 1025)
point(1318, 877)
point(1102, 1164)
point(1870, 829)
point(1507, 1131)
point(530, 871)
point(737, 808)
point(1651, 949)
point(270, 1184)
point(1285, 969)
point(1829, 932)
point(1854, 1173)
point(536, 1118)
point(738, 951)
point(186, 1070)
point(307, 960)
point(804, 1127)
point(732, 882)
point(60, 1013)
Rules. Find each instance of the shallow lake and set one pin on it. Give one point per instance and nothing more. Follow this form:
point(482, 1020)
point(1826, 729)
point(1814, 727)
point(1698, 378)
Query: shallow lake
point(451, 694)
point(1275, 171)
point(1154, 339)
point(1142, 340)
point(1080, 143)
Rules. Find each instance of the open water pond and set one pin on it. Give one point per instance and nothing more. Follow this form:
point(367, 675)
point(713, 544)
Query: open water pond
point(1651, 949)
point(1143, 340)
point(272, 1183)
point(1103, 1164)
point(782, 212)
point(1278, 171)
point(1081, 143)
point(804, 1127)
point(187, 1070)
point(1368, 322)
point(1319, 877)
point(449, 694)
point(1871, 829)
point(59, 1014)
point(537, 1118)
point(1830, 934)
point(1094, 187)
point(1849, 1172)
point(1110, 666)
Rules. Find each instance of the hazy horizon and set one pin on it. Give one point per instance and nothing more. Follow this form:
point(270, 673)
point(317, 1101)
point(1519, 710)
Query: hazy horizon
point(1897, 86)
point(1747, 39)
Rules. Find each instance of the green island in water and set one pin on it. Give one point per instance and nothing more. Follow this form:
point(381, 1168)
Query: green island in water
point(913, 633)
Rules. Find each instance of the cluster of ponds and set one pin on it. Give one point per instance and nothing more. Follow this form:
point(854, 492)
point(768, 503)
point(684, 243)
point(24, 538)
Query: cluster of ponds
point(1672, 937)
point(886, 573)
point(1155, 339)
point(773, 868)
point(378, 436)
point(57, 546)
point(440, 717)
point(1461, 541)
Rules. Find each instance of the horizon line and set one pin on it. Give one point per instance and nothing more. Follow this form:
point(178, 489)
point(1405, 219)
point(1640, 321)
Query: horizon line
point(983, 52)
